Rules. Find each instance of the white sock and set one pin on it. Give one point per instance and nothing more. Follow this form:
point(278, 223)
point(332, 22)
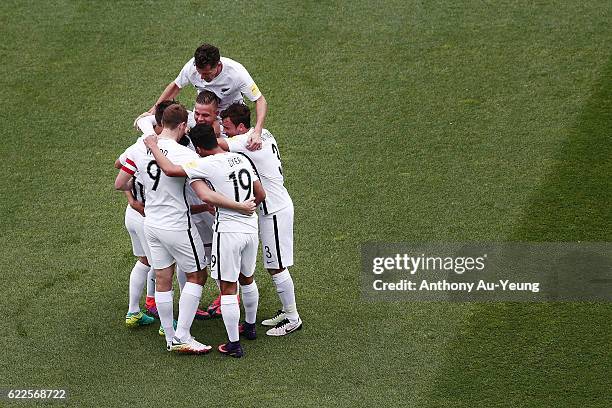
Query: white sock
point(164, 303)
point(151, 283)
point(286, 293)
point(138, 278)
point(181, 277)
point(188, 304)
point(250, 300)
point(231, 315)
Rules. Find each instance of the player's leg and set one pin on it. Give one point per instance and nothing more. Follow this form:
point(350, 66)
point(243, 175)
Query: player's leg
point(187, 249)
point(150, 306)
point(277, 239)
point(138, 276)
point(248, 286)
point(163, 263)
point(225, 267)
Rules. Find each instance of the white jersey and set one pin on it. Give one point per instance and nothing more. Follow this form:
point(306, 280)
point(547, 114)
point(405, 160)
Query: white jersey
point(267, 164)
point(232, 82)
point(232, 175)
point(138, 190)
point(146, 124)
point(165, 206)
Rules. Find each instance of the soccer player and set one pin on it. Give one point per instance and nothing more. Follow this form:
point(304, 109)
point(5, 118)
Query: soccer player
point(228, 79)
point(275, 213)
point(134, 223)
point(205, 112)
point(168, 230)
point(235, 242)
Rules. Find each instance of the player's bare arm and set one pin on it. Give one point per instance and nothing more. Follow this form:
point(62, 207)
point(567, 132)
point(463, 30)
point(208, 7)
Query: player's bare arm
point(219, 200)
point(261, 109)
point(123, 182)
point(171, 92)
point(223, 144)
point(170, 169)
point(135, 204)
point(260, 193)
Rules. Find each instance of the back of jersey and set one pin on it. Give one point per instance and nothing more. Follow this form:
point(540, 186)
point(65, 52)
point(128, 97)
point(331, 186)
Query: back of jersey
point(267, 163)
point(232, 175)
point(165, 206)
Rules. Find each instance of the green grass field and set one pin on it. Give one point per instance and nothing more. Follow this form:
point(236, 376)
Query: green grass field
point(398, 121)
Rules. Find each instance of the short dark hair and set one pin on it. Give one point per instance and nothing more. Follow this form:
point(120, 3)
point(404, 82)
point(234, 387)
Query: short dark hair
point(238, 113)
point(206, 54)
point(173, 116)
point(160, 108)
point(207, 97)
point(203, 136)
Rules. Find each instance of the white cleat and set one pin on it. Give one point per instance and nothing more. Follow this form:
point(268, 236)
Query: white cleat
point(279, 317)
point(191, 346)
point(285, 327)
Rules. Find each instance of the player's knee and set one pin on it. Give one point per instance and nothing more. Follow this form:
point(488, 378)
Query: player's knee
point(229, 288)
point(143, 260)
point(196, 277)
point(245, 280)
point(274, 271)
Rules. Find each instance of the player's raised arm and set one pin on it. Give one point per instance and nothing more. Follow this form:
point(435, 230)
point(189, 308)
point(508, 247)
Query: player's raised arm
point(219, 200)
point(261, 109)
point(171, 92)
point(170, 169)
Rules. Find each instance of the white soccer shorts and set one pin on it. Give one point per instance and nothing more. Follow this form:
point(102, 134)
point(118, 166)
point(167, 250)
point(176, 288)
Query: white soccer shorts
point(233, 253)
point(134, 224)
point(276, 233)
point(183, 247)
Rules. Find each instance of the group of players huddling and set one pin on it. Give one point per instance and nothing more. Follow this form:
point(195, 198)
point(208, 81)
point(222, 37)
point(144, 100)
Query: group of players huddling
point(185, 168)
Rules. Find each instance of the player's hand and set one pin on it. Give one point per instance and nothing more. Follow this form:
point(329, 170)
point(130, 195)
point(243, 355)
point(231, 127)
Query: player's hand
point(138, 206)
point(248, 207)
point(150, 141)
point(210, 208)
point(142, 115)
point(254, 142)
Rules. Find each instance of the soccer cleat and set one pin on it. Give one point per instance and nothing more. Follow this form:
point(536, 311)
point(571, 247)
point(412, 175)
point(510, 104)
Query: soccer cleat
point(214, 309)
point(202, 315)
point(191, 346)
point(161, 330)
point(285, 327)
point(136, 319)
point(248, 330)
point(231, 348)
point(151, 308)
point(279, 317)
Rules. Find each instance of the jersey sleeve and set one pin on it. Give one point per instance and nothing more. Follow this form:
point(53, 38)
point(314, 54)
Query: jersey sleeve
point(237, 143)
point(247, 86)
point(197, 169)
point(147, 124)
point(128, 164)
point(183, 78)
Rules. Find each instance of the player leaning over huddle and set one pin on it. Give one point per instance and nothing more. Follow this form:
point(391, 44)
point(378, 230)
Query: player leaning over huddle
point(235, 242)
point(228, 79)
point(275, 213)
point(168, 230)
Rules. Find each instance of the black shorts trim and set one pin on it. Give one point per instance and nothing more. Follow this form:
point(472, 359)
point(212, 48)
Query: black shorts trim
point(195, 252)
point(276, 241)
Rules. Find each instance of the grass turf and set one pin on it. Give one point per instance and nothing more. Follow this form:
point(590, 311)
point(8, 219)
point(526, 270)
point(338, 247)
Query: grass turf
point(397, 121)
